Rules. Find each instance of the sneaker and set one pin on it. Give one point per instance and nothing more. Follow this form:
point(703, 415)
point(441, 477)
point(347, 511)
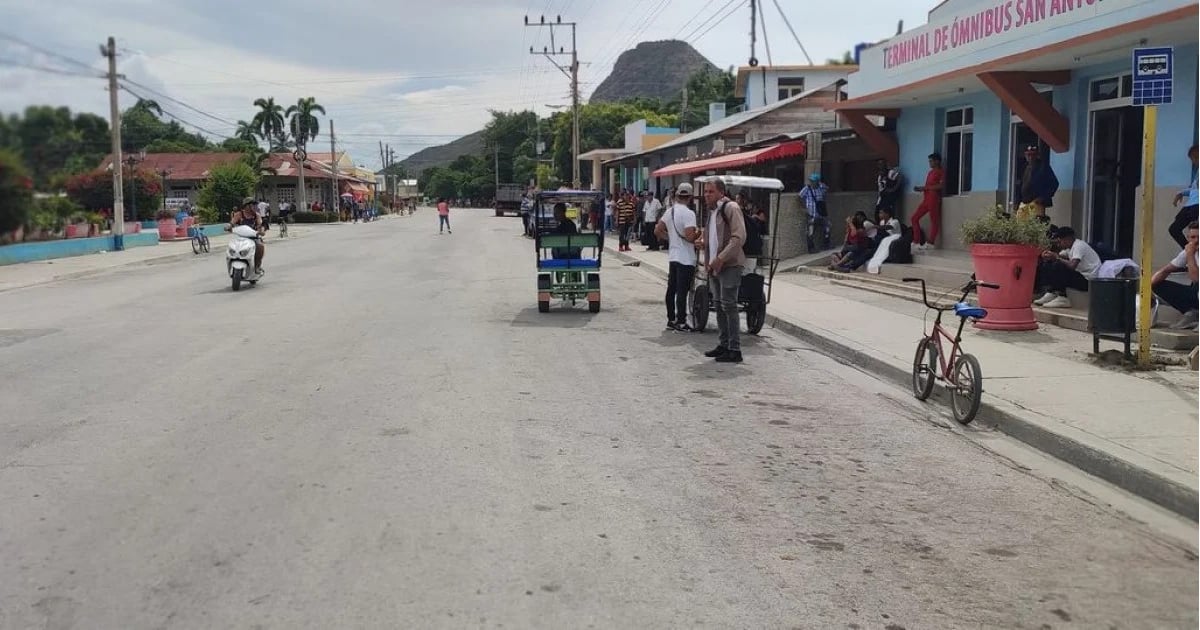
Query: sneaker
point(683, 327)
point(1046, 297)
point(719, 351)
point(730, 357)
point(1188, 322)
point(672, 325)
point(1059, 301)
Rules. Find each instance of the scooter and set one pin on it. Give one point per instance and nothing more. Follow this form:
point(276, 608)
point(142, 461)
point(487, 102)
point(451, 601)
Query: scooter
point(239, 256)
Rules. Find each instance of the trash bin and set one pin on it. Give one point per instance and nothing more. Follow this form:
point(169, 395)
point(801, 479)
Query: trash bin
point(1112, 311)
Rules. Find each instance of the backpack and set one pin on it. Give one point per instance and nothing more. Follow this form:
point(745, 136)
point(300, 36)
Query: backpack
point(753, 246)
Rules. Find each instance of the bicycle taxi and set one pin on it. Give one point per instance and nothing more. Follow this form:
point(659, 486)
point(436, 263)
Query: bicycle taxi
point(755, 292)
point(568, 257)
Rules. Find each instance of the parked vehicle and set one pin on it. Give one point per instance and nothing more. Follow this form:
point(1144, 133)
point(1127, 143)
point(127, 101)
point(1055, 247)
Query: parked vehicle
point(508, 199)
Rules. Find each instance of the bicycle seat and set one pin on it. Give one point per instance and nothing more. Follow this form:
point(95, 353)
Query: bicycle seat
point(962, 309)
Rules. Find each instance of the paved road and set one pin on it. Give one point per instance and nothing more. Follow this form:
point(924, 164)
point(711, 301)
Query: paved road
point(385, 433)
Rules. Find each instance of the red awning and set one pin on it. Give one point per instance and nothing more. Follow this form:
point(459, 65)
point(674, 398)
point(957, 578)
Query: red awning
point(732, 160)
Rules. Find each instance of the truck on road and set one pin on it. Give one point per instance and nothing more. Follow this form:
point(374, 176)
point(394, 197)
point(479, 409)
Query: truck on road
point(508, 198)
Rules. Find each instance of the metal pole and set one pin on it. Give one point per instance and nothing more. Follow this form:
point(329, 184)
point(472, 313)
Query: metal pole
point(132, 191)
point(1149, 136)
point(118, 211)
point(578, 183)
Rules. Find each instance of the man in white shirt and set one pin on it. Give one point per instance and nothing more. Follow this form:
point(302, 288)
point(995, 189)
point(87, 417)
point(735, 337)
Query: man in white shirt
point(651, 209)
point(678, 227)
point(1070, 268)
point(1182, 297)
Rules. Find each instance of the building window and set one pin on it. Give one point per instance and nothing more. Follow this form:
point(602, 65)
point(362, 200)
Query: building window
point(1111, 89)
point(958, 142)
point(286, 193)
point(790, 86)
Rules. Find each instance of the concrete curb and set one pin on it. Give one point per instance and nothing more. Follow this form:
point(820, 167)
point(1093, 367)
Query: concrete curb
point(1155, 488)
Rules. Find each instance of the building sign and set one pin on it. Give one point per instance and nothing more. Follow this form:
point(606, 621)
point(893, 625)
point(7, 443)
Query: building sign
point(1153, 73)
point(999, 21)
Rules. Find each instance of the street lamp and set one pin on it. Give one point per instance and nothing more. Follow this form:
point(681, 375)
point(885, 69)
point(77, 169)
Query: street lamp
point(132, 160)
point(163, 173)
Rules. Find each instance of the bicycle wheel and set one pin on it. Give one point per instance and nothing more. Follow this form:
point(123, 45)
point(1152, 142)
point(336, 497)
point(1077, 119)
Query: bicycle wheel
point(283, 229)
point(924, 370)
point(966, 388)
point(204, 243)
point(195, 244)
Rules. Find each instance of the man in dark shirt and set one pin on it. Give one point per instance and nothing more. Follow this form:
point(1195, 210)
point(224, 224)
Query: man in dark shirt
point(564, 226)
point(1038, 184)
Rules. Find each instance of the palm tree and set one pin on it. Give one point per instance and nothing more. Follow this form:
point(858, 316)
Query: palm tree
point(149, 106)
point(268, 122)
point(303, 120)
point(246, 131)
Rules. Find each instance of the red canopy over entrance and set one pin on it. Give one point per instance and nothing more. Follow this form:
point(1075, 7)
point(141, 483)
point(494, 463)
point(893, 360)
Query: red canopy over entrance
point(732, 160)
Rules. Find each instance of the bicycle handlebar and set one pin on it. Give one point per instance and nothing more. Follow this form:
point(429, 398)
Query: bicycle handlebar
point(966, 290)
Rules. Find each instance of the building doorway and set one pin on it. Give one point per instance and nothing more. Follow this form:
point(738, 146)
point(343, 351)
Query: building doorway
point(1114, 164)
point(1020, 136)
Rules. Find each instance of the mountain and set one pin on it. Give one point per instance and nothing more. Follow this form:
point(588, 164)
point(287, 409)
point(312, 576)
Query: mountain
point(444, 154)
point(653, 70)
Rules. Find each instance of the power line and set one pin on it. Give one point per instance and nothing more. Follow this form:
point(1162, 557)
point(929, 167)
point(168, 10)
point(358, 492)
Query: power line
point(32, 66)
point(51, 53)
point(735, 9)
point(177, 118)
point(181, 103)
point(789, 25)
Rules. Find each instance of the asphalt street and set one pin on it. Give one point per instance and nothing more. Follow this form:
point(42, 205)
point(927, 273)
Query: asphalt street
point(385, 433)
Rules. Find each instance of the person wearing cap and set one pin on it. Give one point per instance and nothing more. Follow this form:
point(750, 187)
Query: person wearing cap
point(678, 227)
point(1038, 185)
point(813, 195)
point(248, 215)
point(931, 203)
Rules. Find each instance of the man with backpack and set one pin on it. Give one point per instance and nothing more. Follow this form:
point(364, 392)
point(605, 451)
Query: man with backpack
point(724, 237)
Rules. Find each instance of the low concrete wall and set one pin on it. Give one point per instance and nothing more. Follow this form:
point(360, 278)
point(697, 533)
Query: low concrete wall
point(790, 230)
point(48, 250)
point(842, 206)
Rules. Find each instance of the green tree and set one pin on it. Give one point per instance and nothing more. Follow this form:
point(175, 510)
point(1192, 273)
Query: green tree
point(703, 87)
point(846, 60)
point(507, 136)
point(246, 131)
point(601, 125)
point(16, 192)
point(303, 121)
point(269, 121)
point(94, 191)
point(167, 145)
point(227, 185)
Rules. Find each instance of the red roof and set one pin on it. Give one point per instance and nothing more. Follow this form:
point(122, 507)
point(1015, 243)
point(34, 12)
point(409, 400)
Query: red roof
point(182, 165)
point(732, 160)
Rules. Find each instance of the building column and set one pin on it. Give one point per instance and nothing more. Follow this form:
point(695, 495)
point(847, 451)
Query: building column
point(1016, 91)
point(882, 143)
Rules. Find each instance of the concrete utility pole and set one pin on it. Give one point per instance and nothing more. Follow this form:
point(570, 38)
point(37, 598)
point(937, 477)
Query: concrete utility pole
point(573, 74)
point(118, 210)
point(337, 193)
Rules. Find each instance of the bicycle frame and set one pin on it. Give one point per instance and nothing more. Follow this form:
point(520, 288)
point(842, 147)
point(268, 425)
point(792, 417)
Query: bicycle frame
point(939, 332)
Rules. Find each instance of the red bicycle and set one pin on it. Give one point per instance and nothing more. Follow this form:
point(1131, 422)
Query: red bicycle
point(959, 370)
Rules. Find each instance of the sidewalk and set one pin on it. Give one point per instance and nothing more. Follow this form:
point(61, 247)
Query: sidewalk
point(1135, 430)
point(31, 274)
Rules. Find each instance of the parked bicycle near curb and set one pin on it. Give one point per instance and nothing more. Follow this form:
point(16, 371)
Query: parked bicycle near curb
point(958, 370)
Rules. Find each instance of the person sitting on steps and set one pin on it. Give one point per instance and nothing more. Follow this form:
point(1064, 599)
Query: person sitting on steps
point(1182, 297)
point(1070, 268)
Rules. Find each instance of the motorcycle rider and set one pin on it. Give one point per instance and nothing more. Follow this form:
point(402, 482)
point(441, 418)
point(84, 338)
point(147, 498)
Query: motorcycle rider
point(248, 215)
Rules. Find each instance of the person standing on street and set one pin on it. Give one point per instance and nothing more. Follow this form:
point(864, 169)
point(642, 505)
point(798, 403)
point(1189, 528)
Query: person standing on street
point(1191, 206)
point(931, 204)
point(443, 208)
point(678, 227)
point(724, 236)
point(626, 214)
point(813, 197)
point(652, 210)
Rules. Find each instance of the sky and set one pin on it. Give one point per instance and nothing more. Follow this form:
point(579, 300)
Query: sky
point(410, 74)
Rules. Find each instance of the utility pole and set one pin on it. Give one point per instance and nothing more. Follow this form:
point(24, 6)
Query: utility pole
point(118, 211)
point(496, 167)
point(573, 74)
point(683, 113)
point(337, 192)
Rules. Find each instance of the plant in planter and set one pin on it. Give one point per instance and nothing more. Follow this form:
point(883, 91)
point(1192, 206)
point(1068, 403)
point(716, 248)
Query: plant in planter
point(166, 223)
point(1005, 249)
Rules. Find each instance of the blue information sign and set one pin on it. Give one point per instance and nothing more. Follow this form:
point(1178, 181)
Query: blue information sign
point(1153, 72)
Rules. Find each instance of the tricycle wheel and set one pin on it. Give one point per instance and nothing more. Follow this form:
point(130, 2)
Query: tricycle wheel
point(700, 305)
point(543, 306)
point(756, 316)
point(594, 307)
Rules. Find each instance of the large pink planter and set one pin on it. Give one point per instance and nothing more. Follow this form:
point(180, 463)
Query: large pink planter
point(166, 228)
point(77, 230)
point(1013, 267)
